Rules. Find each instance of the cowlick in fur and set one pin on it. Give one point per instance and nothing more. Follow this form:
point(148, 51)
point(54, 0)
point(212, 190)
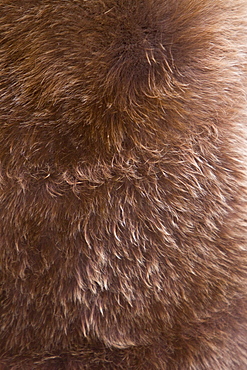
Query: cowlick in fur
point(123, 185)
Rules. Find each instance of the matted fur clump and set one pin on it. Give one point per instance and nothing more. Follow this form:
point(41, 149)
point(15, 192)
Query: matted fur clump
point(123, 188)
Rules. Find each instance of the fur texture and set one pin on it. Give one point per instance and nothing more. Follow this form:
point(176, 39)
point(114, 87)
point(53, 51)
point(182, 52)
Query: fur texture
point(123, 185)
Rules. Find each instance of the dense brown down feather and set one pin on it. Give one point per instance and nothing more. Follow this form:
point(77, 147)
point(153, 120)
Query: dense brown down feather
point(123, 184)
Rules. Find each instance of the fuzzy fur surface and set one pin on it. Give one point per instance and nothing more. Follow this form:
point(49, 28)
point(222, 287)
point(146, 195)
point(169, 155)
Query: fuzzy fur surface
point(123, 238)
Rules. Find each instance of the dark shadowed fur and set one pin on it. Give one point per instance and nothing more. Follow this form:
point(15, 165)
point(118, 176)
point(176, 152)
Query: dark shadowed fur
point(122, 188)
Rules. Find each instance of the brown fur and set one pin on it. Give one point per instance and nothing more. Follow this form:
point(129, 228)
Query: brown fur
point(123, 186)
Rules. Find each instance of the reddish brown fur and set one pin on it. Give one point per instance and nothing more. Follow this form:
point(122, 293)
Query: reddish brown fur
point(123, 187)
